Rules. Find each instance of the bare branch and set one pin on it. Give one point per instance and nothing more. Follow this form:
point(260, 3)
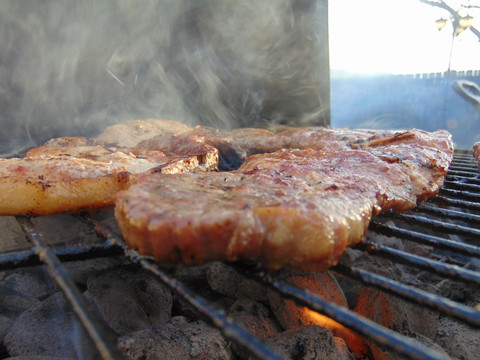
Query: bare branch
point(454, 14)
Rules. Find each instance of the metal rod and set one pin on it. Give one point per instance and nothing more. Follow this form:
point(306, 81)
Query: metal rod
point(16, 259)
point(437, 225)
point(466, 205)
point(449, 214)
point(366, 328)
point(466, 195)
point(102, 336)
point(455, 185)
point(427, 239)
point(229, 328)
point(451, 271)
point(418, 296)
point(461, 173)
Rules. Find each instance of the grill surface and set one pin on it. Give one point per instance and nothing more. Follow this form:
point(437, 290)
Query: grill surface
point(449, 223)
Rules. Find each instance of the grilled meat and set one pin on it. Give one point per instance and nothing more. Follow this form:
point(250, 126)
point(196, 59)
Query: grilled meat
point(130, 133)
point(274, 219)
point(74, 174)
point(290, 208)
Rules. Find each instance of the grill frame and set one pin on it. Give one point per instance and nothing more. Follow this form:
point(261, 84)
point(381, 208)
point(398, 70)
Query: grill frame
point(459, 200)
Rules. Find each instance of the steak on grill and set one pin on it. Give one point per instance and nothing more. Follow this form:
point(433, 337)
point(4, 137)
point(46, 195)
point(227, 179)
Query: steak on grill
point(291, 208)
point(274, 219)
point(74, 174)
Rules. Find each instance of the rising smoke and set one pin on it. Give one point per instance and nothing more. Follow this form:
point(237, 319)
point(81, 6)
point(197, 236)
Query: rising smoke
point(75, 67)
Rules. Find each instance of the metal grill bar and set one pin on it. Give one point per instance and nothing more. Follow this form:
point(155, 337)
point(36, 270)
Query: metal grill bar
point(449, 213)
point(438, 242)
point(418, 296)
point(467, 205)
point(13, 260)
point(463, 166)
point(452, 173)
point(102, 336)
point(451, 271)
point(366, 328)
point(229, 328)
point(454, 185)
point(436, 225)
point(466, 195)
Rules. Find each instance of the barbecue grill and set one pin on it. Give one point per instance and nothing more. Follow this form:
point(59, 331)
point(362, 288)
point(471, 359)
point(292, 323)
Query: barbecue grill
point(448, 223)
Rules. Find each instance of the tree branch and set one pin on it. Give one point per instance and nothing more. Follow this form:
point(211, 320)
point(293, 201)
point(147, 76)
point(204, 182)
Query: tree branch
point(455, 17)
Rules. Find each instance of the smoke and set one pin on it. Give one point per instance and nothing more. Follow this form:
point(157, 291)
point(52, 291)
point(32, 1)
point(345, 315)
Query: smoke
point(73, 68)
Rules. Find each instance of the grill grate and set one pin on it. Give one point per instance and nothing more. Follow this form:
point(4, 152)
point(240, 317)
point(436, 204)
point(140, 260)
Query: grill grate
point(449, 222)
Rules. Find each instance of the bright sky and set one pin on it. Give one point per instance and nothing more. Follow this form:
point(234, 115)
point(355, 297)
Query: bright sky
point(399, 37)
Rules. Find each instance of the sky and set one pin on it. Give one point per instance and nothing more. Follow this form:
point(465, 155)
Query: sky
point(398, 37)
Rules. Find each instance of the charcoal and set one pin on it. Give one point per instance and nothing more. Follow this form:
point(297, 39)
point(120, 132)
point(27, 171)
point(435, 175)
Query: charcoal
point(31, 282)
point(307, 342)
point(13, 303)
point(459, 340)
point(13, 237)
point(381, 354)
point(80, 271)
point(395, 313)
point(146, 344)
point(256, 318)
point(130, 299)
point(179, 339)
point(194, 276)
point(322, 284)
point(5, 324)
point(64, 229)
point(49, 329)
point(227, 281)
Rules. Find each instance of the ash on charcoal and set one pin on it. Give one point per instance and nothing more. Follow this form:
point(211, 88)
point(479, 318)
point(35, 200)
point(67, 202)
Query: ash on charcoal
point(397, 314)
point(13, 302)
point(325, 286)
point(229, 282)
point(64, 229)
point(129, 299)
point(307, 342)
point(33, 282)
point(381, 354)
point(459, 340)
point(49, 329)
point(81, 271)
point(256, 318)
point(179, 339)
point(13, 237)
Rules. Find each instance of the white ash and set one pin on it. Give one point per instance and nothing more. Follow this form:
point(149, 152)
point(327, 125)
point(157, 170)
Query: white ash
point(51, 329)
point(113, 291)
point(229, 282)
point(256, 318)
point(179, 338)
point(307, 342)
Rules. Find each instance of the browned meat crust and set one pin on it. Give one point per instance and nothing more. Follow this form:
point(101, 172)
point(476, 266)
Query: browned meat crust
point(130, 133)
point(74, 174)
point(292, 208)
point(276, 220)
